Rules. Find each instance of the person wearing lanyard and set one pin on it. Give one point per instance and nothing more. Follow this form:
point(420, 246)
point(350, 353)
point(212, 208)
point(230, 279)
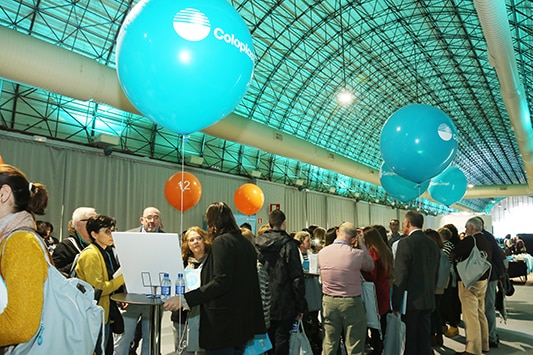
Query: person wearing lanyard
point(343, 310)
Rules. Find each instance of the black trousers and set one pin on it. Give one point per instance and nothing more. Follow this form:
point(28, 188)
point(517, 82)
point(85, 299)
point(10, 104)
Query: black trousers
point(418, 332)
point(279, 334)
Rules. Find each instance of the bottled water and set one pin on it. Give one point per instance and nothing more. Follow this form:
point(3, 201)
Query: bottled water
point(180, 286)
point(180, 290)
point(166, 287)
point(295, 327)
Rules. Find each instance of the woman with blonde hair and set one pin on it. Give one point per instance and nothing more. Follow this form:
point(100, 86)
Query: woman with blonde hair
point(195, 246)
point(382, 256)
point(313, 292)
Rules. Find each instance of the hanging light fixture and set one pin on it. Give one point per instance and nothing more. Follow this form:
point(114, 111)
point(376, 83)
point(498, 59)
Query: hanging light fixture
point(344, 96)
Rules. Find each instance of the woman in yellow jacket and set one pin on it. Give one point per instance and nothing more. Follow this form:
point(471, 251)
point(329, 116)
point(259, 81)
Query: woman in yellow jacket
point(97, 264)
point(23, 266)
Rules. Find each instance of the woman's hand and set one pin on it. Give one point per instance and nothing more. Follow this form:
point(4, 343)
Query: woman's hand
point(172, 304)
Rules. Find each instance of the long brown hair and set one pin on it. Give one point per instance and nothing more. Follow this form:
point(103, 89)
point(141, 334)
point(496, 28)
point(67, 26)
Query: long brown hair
point(220, 220)
point(374, 241)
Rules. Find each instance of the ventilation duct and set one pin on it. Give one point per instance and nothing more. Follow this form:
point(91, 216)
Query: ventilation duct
point(70, 74)
point(495, 25)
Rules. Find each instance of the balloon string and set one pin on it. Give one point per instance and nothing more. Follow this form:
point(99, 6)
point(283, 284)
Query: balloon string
point(419, 199)
point(182, 181)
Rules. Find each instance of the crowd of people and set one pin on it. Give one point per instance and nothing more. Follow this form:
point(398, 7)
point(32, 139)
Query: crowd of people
point(259, 283)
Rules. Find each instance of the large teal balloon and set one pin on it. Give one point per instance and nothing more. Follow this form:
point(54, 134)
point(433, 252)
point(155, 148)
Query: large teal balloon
point(448, 187)
point(399, 187)
point(418, 142)
point(185, 64)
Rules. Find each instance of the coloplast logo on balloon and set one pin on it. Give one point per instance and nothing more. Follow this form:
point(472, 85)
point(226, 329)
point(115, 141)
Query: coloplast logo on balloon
point(232, 40)
point(191, 24)
point(445, 132)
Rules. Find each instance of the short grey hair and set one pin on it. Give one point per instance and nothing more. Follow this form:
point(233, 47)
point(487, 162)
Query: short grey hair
point(82, 213)
point(476, 224)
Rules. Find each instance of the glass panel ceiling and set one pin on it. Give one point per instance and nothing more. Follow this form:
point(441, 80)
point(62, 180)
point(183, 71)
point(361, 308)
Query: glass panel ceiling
point(388, 53)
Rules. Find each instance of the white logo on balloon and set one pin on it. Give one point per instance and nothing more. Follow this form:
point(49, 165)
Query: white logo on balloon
point(445, 132)
point(191, 24)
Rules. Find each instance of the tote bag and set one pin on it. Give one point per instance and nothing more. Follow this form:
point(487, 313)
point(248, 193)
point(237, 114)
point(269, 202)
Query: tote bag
point(192, 330)
point(371, 304)
point(394, 342)
point(299, 343)
point(474, 266)
point(70, 320)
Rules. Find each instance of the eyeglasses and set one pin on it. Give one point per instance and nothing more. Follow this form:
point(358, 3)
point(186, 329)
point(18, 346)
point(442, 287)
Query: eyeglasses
point(152, 218)
point(107, 231)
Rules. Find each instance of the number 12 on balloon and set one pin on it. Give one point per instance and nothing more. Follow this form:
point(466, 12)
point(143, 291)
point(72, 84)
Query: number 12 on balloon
point(183, 187)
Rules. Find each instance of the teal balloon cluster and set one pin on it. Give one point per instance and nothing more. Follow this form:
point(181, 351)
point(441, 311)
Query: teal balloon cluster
point(449, 186)
point(398, 187)
point(418, 142)
point(185, 64)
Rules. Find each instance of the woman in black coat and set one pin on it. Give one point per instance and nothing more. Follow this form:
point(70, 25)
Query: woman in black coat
point(231, 311)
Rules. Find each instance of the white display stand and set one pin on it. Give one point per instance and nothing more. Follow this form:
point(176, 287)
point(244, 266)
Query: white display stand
point(145, 257)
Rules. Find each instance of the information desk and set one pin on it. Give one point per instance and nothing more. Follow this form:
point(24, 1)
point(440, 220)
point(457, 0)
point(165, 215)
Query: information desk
point(155, 315)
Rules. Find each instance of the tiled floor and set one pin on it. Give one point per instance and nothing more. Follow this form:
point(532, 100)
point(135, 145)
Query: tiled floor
point(516, 336)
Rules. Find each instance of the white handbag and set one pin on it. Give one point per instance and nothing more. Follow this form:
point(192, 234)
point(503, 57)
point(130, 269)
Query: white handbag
point(474, 266)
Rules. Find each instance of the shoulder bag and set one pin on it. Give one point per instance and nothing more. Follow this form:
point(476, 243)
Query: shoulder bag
point(474, 266)
point(70, 320)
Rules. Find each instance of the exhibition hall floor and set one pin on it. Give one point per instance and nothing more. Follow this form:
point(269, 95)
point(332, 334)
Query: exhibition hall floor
point(516, 335)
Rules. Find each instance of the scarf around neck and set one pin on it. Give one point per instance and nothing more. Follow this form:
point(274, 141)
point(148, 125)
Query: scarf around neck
point(15, 221)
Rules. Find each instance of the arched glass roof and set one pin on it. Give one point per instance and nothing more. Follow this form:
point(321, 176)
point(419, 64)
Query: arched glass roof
point(389, 53)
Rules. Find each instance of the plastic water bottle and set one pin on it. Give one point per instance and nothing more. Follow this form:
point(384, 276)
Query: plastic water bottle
point(166, 287)
point(295, 327)
point(180, 291)
point(180, 286)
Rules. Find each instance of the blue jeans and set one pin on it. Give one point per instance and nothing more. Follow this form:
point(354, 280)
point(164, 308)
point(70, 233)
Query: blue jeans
point(131, 315)
point(490, 309)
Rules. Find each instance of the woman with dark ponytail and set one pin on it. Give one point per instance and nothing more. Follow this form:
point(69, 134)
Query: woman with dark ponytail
point(23, 266)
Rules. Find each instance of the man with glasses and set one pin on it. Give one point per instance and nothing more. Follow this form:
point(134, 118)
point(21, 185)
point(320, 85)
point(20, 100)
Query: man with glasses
point(137, 317)
point(66, 251)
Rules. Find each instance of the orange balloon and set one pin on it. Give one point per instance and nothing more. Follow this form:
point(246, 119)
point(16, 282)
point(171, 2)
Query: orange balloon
point(1, 160)
point(249, 199)
point(184, 185)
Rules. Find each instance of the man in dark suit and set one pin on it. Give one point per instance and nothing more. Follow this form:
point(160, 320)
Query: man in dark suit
point(415, 276)
point(137, 317)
